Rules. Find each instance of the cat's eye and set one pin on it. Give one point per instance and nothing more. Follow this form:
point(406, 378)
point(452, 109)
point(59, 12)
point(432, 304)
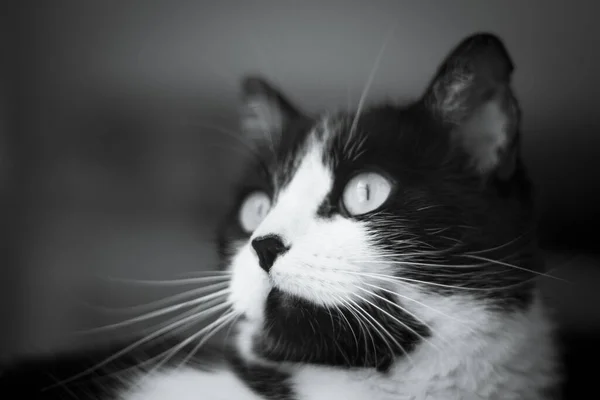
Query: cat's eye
point(365, 192)
point(253, 210)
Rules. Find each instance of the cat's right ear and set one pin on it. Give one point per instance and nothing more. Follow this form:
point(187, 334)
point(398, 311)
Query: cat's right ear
point(471, 94)
point(266, 112)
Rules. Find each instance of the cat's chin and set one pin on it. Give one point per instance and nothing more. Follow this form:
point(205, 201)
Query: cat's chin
point(295, 330)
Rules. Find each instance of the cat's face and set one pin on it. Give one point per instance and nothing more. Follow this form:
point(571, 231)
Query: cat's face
point(352, 230)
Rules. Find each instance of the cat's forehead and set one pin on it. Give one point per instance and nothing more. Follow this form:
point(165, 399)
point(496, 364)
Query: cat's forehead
point(377, 137)
point(305, 144)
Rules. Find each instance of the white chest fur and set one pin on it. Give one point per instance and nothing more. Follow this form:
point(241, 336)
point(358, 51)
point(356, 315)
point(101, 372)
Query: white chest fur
point(509, 359)
point(190, 384)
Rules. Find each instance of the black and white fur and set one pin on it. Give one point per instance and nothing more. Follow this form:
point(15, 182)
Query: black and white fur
point(431, 296)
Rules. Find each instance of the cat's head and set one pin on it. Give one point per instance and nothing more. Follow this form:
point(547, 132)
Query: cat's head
point(353, 231)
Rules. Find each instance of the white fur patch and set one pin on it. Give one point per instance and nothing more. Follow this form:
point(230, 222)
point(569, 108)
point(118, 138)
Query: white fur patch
point(327, 257)
point(190, 384)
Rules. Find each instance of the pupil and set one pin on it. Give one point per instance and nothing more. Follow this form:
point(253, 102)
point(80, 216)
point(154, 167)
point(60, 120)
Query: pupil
point(363, 192)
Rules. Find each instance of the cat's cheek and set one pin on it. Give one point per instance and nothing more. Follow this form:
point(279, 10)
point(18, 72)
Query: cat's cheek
point(249, 286)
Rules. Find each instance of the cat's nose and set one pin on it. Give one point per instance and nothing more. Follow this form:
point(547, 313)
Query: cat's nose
point(268, 248)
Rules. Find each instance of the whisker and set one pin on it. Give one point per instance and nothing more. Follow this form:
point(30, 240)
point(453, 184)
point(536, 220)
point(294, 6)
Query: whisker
point(157, 313)
point(349, 304)
point(163, 302)
point(437, 273)
point(361, 316)
point(183, 328)
point(206, 272)
point(419, 264)
point(140, 342)
point(391, 316)
point(381, 329)
point(369, 82)
point(201, 274)
point(174, 332)
point(491, 249)
point(396, 319)
point(340, 312)
point(396, 279)
point(425, 253)
point(342, 352)
point(65, 388)
point(487, 262)
point(363, 329)
point(498, 262)
point(215, 327)
point(387, 333)
point(171, 282)
point(417, 302)
point(191, 338)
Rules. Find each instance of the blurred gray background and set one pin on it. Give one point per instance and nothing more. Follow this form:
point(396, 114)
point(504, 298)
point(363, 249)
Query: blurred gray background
point(118, 148)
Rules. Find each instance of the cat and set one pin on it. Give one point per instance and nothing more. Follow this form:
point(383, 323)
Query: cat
point(386, 253)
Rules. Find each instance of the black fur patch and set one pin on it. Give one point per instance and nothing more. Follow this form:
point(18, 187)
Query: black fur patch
point(270, 383)
point(362, 335)
point(448, 229)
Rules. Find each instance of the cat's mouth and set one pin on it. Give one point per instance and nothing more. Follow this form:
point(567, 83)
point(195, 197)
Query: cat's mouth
point(282, 301)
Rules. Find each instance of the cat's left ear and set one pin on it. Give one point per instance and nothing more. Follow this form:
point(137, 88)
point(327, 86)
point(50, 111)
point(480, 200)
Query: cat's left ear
point(471, 95)
point(266, 113)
